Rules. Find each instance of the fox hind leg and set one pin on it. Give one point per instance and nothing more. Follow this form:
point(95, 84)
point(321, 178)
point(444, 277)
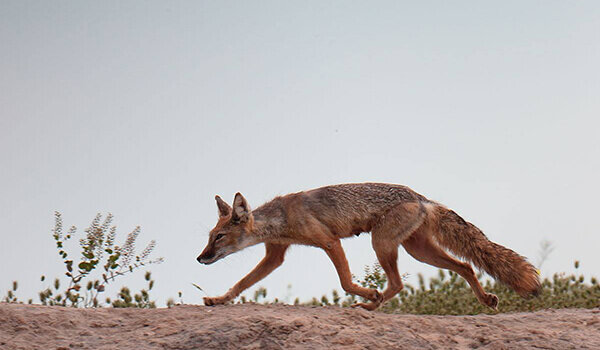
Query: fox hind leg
point(397, 224)
point(387, 255)
point(421, 247)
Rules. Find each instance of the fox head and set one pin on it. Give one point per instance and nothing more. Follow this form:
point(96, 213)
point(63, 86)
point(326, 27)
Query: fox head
point(232, 233)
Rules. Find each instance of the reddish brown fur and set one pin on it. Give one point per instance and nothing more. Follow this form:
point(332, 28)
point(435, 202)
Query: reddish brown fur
point(466, 240)
point(393, 214)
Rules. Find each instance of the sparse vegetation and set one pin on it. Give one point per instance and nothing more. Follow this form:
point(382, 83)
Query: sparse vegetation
point(101, 261)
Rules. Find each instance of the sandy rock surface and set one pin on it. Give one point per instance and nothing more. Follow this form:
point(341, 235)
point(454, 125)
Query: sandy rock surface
point(289, 327)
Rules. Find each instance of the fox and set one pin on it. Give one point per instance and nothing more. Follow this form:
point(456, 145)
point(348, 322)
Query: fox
point(393, 214)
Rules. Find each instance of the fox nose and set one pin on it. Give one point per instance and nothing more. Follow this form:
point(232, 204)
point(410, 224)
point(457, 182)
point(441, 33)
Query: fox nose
point(206, 256)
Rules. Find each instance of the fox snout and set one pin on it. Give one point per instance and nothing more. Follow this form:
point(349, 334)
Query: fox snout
point(206, 257)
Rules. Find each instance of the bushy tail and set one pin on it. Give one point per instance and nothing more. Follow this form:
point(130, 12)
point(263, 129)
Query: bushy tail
point(467, 241)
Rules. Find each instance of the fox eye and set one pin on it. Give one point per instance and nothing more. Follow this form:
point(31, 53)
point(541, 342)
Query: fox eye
point(219, 236)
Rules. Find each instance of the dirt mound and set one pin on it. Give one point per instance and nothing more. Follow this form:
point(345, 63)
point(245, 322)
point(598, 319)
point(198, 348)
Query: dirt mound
point(288, 327)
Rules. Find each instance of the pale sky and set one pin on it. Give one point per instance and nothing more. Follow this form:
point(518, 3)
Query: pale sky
point(148, 109)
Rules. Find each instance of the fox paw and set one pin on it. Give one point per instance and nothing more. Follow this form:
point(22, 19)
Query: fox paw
point(491, 301)
point(214, 301)
point(376, 301)
point(366, 306)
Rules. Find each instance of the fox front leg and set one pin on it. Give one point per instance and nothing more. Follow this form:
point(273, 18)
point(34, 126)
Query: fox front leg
point(274, 255)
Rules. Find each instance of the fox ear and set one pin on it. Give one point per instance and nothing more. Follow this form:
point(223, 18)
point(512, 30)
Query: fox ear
point(224, 208)
point(241, 209)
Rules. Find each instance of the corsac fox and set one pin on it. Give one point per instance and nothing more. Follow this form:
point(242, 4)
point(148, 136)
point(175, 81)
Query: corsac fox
point(394, 214)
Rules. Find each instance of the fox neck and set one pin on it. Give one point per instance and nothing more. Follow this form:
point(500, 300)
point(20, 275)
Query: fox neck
point(267, 227)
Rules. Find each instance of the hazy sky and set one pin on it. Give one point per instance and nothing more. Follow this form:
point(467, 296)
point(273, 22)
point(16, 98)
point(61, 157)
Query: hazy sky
point(148, 109)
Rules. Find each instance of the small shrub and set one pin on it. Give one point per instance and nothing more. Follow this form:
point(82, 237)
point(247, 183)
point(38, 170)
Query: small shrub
point(11, 296)
point(96, 263)
point(140, 300)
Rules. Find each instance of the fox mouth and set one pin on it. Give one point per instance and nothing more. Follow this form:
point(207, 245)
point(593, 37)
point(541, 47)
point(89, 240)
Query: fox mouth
point(207, 261)
point(211, 260)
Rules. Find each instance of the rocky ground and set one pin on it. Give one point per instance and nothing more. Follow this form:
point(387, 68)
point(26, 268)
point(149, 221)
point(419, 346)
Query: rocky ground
point(252, 326)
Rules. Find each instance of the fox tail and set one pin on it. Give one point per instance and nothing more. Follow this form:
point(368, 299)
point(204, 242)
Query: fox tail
point(467, 241)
